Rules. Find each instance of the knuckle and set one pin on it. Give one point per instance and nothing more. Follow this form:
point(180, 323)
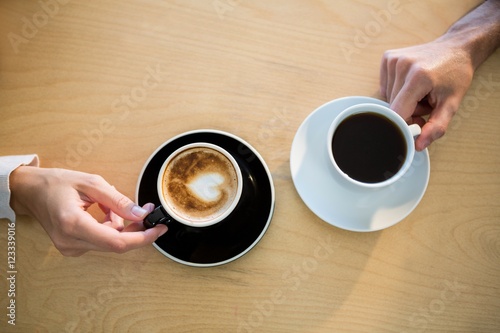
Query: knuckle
point(67, 223)
point(94, 181)
point(393, 61)
point(121, 201)
point(420, 76)
point(438, 131)
point(386, 55)
point(420, 73)
point(452, 110)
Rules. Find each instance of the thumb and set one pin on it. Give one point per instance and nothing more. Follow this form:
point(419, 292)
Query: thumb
point(437, 125)
point(431, 131)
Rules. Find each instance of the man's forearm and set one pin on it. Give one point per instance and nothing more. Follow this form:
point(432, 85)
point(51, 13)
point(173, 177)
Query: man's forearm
point(478, 32)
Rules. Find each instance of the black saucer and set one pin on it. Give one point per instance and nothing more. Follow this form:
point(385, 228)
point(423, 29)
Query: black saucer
point(240, 231)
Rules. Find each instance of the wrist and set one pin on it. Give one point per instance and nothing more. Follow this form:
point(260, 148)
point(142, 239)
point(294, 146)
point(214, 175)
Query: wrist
point(22, 182)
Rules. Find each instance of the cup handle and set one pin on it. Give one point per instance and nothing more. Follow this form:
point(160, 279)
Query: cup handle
point(415, 130)
point(157, 216)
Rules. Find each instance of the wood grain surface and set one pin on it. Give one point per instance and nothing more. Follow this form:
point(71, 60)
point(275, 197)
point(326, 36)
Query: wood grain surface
point(97, 86)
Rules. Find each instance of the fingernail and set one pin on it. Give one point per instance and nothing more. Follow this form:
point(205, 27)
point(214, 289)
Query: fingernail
point(149, 207)
point(139, 211)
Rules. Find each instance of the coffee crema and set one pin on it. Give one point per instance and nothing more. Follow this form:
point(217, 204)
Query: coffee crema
point(200, 184)
point(369, 147)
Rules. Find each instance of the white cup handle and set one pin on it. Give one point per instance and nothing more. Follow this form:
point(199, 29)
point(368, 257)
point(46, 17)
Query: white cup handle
point(415, 130)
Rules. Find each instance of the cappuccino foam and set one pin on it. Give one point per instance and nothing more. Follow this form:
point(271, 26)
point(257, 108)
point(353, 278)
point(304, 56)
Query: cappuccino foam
point(200, 184)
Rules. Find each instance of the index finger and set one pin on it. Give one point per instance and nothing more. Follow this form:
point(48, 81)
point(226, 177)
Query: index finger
point(100, 191)
point(106, 238)
point(405, 102)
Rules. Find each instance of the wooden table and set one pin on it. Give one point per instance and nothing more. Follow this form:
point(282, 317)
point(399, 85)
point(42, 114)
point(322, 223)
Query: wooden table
point(97, 86)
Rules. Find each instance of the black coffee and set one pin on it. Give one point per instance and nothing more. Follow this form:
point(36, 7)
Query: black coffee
point(368, 147)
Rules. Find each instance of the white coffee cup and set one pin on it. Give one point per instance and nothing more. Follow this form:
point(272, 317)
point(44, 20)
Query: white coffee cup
point(198, 185)
point(370, 145)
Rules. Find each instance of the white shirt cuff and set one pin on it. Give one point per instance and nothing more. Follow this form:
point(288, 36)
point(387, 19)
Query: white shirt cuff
point(7, 165)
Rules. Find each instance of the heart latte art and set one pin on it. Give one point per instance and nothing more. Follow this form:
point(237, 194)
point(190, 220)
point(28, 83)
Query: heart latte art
point(199, 184)
point(207, 187)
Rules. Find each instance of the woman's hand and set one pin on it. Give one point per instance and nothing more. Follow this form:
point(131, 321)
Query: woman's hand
point(59, 200)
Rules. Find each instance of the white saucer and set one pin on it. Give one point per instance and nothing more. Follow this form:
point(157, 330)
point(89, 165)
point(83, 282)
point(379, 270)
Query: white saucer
point(334, 199)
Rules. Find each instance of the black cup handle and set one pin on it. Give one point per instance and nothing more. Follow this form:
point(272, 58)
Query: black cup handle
point(157, 216)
